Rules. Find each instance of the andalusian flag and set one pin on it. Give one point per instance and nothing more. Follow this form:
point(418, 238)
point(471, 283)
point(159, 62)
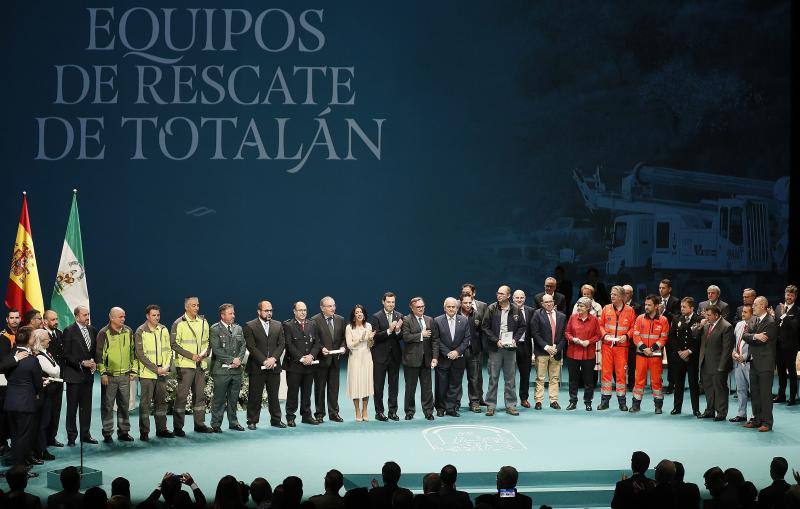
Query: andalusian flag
point(24, 292)
point(71, 289)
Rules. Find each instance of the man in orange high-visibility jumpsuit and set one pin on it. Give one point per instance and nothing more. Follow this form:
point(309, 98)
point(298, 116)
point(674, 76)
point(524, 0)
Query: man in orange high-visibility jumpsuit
point(649, 337)
point(616, 320)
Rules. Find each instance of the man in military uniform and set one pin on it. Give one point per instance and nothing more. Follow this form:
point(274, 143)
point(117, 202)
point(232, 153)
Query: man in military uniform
point(115, 365)
point(189, 341)
point(227, 343)
point(153, 356)
point(302, 347)
point(684, 349)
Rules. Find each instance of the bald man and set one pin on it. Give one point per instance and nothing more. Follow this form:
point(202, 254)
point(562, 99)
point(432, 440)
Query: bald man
point(453, 332)
point(115, 354)
point(80, 348)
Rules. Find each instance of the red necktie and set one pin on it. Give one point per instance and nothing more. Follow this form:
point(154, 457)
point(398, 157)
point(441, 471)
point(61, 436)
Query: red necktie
point(302, 327)
point(552, 325)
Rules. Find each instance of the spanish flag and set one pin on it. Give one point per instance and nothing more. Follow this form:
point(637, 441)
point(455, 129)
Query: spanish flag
point(24, 292)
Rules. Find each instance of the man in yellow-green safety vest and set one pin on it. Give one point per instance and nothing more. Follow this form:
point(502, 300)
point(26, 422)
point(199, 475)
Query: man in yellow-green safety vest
point(189, 341)
point(115, 365)
point(153, 359)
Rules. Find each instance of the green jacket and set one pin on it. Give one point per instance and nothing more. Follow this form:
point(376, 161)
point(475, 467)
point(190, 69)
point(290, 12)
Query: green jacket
point(225, 346)
point(115, 354)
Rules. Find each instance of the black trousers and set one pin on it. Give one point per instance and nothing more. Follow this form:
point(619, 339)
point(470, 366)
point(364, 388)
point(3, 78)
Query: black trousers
point(23, 435)
point(45, 415)
point(79, 401)
point(326, 382)
point(423, 375)
point(448, 384)
point(5, 421)
point(716, 385)
point(672, 359)
point(56, 400)
point(302, 383)
point(524, 368)
point(475, 378)
point(380, 372)
point(761, 395)
point(580, 372)
point(681, 369)
point(787, 373)
point(258, 381)
point(631, 367)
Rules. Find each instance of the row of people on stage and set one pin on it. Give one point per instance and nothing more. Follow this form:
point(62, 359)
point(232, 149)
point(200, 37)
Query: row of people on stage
point(698, 341)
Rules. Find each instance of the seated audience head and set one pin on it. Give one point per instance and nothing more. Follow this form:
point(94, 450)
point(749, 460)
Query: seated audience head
point(227, 494)
point(431, 483)
point(640, 462)
point(778, 468)
point(507, 478)
point(665, 472)
point(170, 486)
point(448, 475)
point(714, 479)
point(260, 490)
point(334, 480)
point(71, 479)
point(390, 473)
point(292, 490)
point(17, 478)
point(735, 477)
point(121, 486)
point(95, 498)
point(679, 471)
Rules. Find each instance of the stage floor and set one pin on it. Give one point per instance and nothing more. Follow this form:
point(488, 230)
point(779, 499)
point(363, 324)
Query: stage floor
point(534, 441)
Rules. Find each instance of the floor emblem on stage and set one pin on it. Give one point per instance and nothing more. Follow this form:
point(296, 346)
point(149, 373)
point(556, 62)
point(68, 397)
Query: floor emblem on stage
point(471, 438)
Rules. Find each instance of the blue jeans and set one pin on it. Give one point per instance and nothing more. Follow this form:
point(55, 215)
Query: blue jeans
point(741, 373)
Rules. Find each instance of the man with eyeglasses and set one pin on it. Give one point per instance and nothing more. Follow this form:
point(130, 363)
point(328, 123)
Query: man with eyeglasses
point(330, 328)
point(503, 325)
point(550, 285)
point(266, 343)
point(418, 358)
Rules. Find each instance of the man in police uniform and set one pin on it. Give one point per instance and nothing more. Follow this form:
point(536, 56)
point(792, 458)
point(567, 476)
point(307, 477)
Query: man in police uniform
point(153, 356)
point(189, 341)
point(302, 347)
point(115, 364)
point(227, 343)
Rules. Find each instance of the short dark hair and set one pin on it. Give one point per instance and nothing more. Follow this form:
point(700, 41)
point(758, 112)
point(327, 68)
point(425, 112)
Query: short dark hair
point(654, 298)
point(679, 471)
point(387, 295)
point(461, 297)
point(17, 478)
point(507, 477)
point(791, 289)
point(12, 310)
point(260, 490)
point(714, 309)
point(95, 497)
point(151, 307)
point(390, 472)
point(778, 468)
point(23, 335)
point(293, 490)
point(468, 285)
point(29, 315)
point(121, 486)
point(334, 480)
point(666, 282)
point(640, 462)
point(353, 314)
point(431, 483)
point(689, 301)
point(70, 479)
point(448, 475)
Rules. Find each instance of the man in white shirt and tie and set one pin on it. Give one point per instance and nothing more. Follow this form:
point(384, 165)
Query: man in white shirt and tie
point(741, 363)
point(524, 349)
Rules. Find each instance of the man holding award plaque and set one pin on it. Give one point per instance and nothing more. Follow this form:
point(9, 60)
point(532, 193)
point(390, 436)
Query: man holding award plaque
point(502, 326)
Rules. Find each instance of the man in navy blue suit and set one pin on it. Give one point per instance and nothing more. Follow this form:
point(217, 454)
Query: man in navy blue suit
point(453, 332)
point(24, 381)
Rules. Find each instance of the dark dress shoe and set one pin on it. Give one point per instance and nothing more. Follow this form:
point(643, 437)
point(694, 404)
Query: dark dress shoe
point(165, 434)
point(429, 417)
point(440, 413)
point(108, 440)
point(125, 437)
point(512, 411)
point(555, 406)
point(179, 433)
point(525, 403)
point(71, 443)
point(47, 456)
point(669, 390)
point(696, 413)
point(490, 412)
point(290, 423)
point(202, 429)
point(380, 417)
point(765, 428)
point(88, 440)
point(572, 405)
point(589, 407)
point(216, 429)
point(738, 418)
point(409, 417)
point(319, 419)
point(310, 420)
point(278, 424)
point(453, 413)
point(791, 402)
point(674, 411)
point(236, 427)
point(251, 427)
point(706, 415)
point(55, 443)
point(537, 406)
point(35, 461)
point(32, 475)
point(336, 418)
point(144, 438)
point(779, 399)
point(393, 416)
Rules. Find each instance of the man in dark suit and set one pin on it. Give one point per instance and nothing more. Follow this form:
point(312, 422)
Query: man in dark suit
point(716, 346)
point(788, 344)
point(507, 496)
point(80, 346)
point(634, 491)
point(550, 285)
point(17, 497)
point(334, 480)
point(381, 496)
point(547, 327)
point(669, 308)
point(56, 350)
point(265, 342)
point(474, 353)
point(453, 332)
point(773, 495)
point(24, 382)
point(386, 355)
point(687, 494)
point(502, 326)
point(70, 496)
point(684, 351)
point(302, 348)
point(420, 343)
point(748, 296)
point(713, 293)
point(449, 496)
point(330, 328)
point(524, 349)
point(761, 340)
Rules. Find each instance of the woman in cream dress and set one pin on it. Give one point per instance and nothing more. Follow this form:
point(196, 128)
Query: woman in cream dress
point(358, 335)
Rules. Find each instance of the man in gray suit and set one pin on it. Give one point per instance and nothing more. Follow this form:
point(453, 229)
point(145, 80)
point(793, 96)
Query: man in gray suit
point(713, 293)
point(266, 343)
point(453, 332)
point(418, 359)
point(330, 328)
point(761, 339)
point(227, 347)
point(716, 346)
